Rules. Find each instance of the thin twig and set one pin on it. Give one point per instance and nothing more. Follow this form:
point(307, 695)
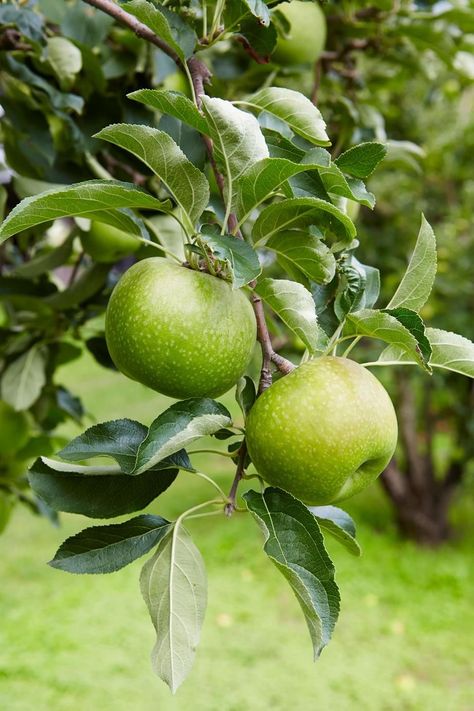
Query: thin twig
point(141, 30)
point(239, 473)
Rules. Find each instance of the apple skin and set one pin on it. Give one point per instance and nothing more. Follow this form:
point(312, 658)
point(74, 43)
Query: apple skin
point(307, 35)
point(107, 244)
point(324, 432)
point(14, 429)
point(181, 332)
point(177, 81)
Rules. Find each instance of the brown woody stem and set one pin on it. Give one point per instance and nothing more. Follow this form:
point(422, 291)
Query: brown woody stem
point(200, 76)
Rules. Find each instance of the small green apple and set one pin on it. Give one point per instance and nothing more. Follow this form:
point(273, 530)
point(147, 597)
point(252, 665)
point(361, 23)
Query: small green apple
point(177, 81)
point(324, 432)
point(307, 35)
point(108, 244)
point(14, 429)
point(182, 332)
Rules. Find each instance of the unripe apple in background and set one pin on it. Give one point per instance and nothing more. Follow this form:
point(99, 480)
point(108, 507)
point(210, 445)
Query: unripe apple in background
point(324, 432)
point(181, 332)
point(14, 429)
point(177, 81)
point(307, 35)
point(108, 244)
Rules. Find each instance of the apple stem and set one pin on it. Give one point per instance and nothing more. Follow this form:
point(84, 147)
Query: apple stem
point(239, 474)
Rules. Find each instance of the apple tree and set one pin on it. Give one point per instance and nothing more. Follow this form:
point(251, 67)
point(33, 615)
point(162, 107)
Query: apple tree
point(211, 220)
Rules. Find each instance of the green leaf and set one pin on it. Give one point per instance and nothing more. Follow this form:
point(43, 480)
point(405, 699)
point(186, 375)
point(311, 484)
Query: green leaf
point(43, 263)
point(295, 109)
point(172, 103)
point(295, 306)
point(372, 283)
point(174, 586)
point(301, 212)
point(361, 161)
point(245, 394)
point(105, 549)
point(307, 252)
point(417, 282)
point(338, 524)
point(294, 543)
point(24, 378)
point(65, 60)
point(350, 290)
point(237, 139)
point(92, 197)
point(450, 351)
point(178, 426)
point(97, 492)
point(118, 439)
point(261, 180)
point(166, 24)
point(239, 255)
point(89, 283)
point(412, 321)
point(352, 188)
point(383, 326)
point(259, 10)
point(186, 183)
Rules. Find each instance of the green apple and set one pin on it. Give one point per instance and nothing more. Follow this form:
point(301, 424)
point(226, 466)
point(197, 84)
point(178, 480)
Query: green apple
point(307, 35)
point(107, 244)
point(177, 81)
point(324, 432)
point(14, 429)
point(182, 332)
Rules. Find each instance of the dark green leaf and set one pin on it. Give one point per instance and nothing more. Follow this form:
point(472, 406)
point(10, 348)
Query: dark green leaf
point(361, 161)
point(412, 321)
point(166, 24)
point(245, 394)
point(294, 543)
point(105, 549)
point(45, 262)
point(174, 104)
point(97, 492)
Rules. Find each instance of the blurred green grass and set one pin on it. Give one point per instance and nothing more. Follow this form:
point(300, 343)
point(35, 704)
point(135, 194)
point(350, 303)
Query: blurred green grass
point(405, 639)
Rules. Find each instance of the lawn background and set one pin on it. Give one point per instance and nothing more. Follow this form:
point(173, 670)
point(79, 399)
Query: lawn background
point(405, 638)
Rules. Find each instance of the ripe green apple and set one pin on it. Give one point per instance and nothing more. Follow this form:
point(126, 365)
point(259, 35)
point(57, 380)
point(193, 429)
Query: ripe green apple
point(105, 243)
point(14, 429)
point(182, 332)
point(307, 35)
point(324, 432)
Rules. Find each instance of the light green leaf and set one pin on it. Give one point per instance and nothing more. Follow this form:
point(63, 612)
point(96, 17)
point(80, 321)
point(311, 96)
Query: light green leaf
point(65, 60)
point(295, 109)
point(174, 104)
point(105, 549)
point(294, 543)
point(239, 255)
point(90, 198)
point(307, 252)
point(338, 524)
point(166, 24)
point(450, 351)
point(261, 180)
point(237, 139)
point(46, 262)
point(361, 161)
point(417, 282)
point(301, 212)
point(23, 380)
point(352, 188)
point(178, 426)
point(294, 305)
point(383, 326)
point(174, 586)
point(186, 183)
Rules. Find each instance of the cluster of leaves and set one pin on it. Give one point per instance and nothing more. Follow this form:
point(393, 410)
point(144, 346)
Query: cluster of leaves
point(285, 195)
